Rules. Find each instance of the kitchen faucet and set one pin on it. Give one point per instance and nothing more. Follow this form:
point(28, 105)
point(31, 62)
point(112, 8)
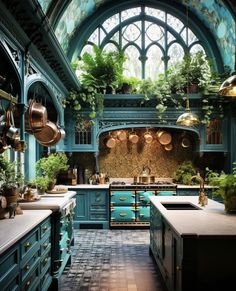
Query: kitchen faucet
point(202, 200)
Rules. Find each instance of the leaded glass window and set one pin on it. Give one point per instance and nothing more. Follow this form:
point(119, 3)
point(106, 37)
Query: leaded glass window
point(152, 39)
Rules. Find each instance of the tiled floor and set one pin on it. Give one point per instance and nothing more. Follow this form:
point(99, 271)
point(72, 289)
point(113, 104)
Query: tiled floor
point(111, 260)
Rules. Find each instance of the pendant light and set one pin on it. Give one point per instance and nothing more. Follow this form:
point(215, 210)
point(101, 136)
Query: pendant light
point(228, 87)
point(188, 118)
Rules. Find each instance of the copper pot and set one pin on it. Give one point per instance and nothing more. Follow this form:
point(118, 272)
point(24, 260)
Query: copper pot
point(60, 135)
point(110, 142)
point(48, 135)
point(35, 117)
point(133, 137)
point(185, 142)
point(148, 137)
point(164, 137)
point(122, 135)
point(168, 147)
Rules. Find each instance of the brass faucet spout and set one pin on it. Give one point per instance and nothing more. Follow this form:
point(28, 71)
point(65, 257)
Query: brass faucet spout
point(202, 197)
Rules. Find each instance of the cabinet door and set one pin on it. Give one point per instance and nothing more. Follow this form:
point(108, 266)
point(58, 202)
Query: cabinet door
point(98, 200)
point(81, 209)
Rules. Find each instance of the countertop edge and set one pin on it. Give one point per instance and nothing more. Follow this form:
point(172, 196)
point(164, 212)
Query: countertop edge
point(29, 220)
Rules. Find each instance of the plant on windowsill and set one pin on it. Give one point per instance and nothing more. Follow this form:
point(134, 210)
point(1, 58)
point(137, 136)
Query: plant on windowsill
point(50, 166)
point(225, 187)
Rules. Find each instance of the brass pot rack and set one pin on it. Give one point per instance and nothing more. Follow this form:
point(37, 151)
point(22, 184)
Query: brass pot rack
point(8, 97)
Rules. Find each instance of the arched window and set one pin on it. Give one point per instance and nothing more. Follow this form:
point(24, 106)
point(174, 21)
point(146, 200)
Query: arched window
point(152, 39)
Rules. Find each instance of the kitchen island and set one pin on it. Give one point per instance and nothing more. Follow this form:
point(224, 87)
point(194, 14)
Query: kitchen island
point(25, 251)
point(61, 221)
point(193, 246)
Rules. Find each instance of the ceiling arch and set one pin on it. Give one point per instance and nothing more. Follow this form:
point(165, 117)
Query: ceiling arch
point(67, 17)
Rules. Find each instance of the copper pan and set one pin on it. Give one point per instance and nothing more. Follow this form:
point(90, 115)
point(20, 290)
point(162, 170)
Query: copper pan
point(35, 116)
point(164, 137)
point(49, 129)
point(48, 134)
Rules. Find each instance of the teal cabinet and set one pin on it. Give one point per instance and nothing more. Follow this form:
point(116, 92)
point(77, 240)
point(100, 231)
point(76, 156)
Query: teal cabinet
point(91, 209)
point(80, 135)
point(27, 264)
point(214, 136)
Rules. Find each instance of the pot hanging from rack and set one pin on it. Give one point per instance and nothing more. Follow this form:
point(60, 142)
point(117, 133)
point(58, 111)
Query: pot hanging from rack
point(48, 135)
point(133, 137)
point(164, 137)
point(35, 117)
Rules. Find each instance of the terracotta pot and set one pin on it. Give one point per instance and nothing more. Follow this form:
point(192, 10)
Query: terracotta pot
point(35, 117)
point(133, 137)
point(164, 137)
point(168, 147)
point(148, 137)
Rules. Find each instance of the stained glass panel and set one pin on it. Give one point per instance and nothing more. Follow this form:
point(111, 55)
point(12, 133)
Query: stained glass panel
point(175, 53)
point(175, 23)
point(126, 14)
point(191, 37)
point(154, 32)
point(111, 22)
point(44, 4)
point(154, 64)
point(132, 64)
point(196, 48)
point(155, 13)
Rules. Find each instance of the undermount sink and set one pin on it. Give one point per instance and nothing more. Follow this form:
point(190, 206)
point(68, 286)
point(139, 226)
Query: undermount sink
point(180, 206)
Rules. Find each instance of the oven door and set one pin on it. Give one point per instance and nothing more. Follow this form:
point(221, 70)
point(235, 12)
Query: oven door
point(122, 214)
point(143, 197)
point(143, 213)
point(122, 198)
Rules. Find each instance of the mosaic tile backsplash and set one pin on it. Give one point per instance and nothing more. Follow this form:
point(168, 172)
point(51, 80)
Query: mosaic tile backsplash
point(127, 159)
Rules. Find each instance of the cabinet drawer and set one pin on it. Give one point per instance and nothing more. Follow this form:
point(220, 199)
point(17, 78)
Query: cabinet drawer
point(8, 267)
point(100, 216)
point(45, 244)
point(29, 244)
point(45, 261)
point(27, 268)
point(123, 214)
point(12, 284)
point(122, 198)
point(32, 281)
point(45, 228)
point(143, 213)
point(98, 197)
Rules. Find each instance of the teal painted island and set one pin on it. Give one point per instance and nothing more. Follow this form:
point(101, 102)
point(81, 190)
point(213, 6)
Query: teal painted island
point(193, 246)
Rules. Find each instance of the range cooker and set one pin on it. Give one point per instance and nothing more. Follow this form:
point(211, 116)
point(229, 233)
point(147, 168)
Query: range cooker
point(130, 203)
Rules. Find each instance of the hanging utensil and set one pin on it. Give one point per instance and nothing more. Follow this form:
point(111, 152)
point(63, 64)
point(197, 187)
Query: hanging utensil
point(164, 137)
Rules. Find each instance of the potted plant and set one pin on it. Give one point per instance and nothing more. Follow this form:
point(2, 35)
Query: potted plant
point(225, 187)
point(49, 167)
point(102, 69)
point(10, 179)
point(129, 85)
point(41, 183)
point(184, 172)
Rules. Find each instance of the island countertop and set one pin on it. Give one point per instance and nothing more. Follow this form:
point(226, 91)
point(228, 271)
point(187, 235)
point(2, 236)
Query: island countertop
point(210, 220)
point(11, 230)
point(49, 201)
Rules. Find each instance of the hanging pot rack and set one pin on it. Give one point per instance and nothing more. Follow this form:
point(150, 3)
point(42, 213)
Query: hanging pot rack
point(8, 97)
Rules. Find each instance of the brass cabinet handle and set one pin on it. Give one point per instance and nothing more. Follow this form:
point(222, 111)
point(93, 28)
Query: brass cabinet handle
point(45, 245)
point(28, 245)
point(122, 214)
point(28, 284)
point(122, 198)
point(27, 267)
point(45, 228)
